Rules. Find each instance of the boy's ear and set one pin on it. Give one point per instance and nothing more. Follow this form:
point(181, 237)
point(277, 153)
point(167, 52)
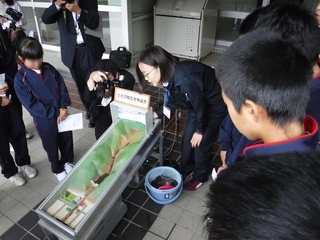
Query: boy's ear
point(253, 110)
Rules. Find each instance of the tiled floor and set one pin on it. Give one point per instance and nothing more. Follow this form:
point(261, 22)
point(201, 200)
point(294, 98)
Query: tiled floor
point(144, 219)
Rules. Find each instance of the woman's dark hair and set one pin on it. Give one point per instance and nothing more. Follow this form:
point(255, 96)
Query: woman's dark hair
point(9, 2)
point(106, 65)
point(30, 48)
point(156, 56)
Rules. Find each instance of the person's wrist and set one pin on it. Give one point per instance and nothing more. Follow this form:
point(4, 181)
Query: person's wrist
point(90, 84)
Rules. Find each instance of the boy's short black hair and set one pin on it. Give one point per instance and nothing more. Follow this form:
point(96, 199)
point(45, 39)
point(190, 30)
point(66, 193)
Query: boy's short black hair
point(295, 23)
point(107, 65)
point(30, 48)
point(261, 67)
point(266, 197)
point(247, 25)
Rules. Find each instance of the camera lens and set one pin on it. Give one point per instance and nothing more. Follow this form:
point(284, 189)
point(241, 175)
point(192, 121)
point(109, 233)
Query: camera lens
point(101, 89)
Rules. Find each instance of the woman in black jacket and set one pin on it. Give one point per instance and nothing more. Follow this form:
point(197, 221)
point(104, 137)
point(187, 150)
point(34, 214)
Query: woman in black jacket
point(193, 86)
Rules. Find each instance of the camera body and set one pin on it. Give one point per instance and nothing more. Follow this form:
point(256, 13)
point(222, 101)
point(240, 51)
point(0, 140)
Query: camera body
point(110, 85)
point(14, 14)
point(15, 17)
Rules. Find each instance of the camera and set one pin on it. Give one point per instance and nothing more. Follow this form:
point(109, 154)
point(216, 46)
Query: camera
point(15, 17)
point(14, 14)
point(110, 85)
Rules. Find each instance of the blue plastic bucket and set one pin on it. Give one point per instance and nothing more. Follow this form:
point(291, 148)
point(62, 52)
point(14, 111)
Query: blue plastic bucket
point(163, 196)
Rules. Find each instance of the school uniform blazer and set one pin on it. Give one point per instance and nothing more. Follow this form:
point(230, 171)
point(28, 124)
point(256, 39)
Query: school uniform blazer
point(304, 143)
point(42, 97)
point(89, 17)
point(232, 141)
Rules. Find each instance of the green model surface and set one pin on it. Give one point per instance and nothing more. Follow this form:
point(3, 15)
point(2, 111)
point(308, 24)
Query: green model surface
point(98, 170)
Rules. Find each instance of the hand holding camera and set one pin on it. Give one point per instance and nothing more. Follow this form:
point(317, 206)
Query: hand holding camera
point(104, 83)
point(15, 17)
point(73, 6)
point(96, 77)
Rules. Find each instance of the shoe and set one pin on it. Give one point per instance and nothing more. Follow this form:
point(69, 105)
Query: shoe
point(17, 180)
point(187, 177)
point(87, 115)
point(28, 171)
point(29, 135)
point(61, 176)
point(68, 167)
point(91, 124)
point(193, 185)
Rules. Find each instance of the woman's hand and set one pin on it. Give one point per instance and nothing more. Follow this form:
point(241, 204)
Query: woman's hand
point(96, 76)
point(196, 140)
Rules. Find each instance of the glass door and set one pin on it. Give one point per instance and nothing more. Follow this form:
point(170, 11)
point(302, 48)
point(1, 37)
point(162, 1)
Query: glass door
point(231, 13)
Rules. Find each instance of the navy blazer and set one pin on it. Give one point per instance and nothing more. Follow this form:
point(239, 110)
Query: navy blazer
point(89, 17)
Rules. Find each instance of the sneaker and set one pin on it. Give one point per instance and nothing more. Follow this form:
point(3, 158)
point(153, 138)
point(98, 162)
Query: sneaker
point(68, 167)
point(28, 171)
point(17, 180)
point(61, 176)
point(187, 177)
point(193, 185)
point(29, 135)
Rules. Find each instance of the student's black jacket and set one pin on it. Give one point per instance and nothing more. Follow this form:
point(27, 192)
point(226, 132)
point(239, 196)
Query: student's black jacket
point(194, 87)
point(90, 96)
point(8, 64)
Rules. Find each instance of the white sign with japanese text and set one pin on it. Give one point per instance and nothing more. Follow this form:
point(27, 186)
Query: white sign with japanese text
point(132, 98)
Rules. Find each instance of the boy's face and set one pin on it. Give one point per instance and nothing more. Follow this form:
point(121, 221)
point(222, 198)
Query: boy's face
point(244, 120)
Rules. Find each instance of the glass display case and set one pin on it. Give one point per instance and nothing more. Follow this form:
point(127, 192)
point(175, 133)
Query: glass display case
point(88, 204)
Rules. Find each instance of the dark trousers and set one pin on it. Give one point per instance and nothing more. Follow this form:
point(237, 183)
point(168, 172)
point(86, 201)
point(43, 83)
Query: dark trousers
point(103, 122)
point(52, 141)
point(198, 159)
point(82, 66)
point(13, 131)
